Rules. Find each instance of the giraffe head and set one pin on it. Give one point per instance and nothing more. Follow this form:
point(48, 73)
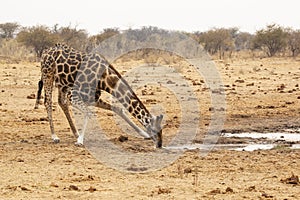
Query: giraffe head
point(155, 130)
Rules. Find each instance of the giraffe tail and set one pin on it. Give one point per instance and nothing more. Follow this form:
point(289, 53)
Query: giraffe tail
point(38, 96)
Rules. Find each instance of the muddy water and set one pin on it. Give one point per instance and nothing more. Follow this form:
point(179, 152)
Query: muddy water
point(262, 141)
point(289, 137)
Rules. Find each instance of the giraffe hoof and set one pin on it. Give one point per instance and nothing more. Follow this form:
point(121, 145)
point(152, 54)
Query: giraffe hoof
point(78, 144)
point(56, 140)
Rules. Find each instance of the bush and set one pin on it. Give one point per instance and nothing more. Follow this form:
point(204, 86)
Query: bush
point(294, 42)
point(95, 40)
point(217, 41)
point(37, 37)
point(8, 30)
point(12, 50)
point(271, 40)
point(76, 38)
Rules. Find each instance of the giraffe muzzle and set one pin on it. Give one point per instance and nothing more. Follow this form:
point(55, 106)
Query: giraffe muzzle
point(159, 144)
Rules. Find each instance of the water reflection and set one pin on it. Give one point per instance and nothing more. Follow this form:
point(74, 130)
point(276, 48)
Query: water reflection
point(270, 141)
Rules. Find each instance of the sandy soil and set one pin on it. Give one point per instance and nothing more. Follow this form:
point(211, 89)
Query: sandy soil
point(261, 95)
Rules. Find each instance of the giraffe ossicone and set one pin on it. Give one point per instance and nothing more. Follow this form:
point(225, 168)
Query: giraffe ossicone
point(80, 79)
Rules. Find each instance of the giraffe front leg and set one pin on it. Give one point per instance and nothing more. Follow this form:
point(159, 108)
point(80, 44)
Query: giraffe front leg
point(141, 132)
point(81, 134)
point(121, 113)
point(63, 103)
point(83, 108)
point(55, 139)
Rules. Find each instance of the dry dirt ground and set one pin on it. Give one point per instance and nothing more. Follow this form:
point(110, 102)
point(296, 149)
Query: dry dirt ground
point(262, 95)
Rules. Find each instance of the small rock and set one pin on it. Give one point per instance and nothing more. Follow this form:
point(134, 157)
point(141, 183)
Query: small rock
point(163, 190)
point(251, 188)
point(24, 188)
point(266, 195)
point(90, 177)
point(170, 82)
point(43, 119)
point(137, 169)
point(240, 81)
point(187, 170)
point(73, 187)
point(151, 101)
point(291, 180)
point(215, 191)
point(91, 189)
point(13, 188)
point(229, 190)
point(24, 141)
point(31, 96)
point(144, 92)
point(122, 138)
point(54, 185)
point(289, 102)
point(20, 160)
point(281, 87)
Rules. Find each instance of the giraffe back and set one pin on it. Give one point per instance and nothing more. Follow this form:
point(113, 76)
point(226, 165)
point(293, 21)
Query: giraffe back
point(74, 70)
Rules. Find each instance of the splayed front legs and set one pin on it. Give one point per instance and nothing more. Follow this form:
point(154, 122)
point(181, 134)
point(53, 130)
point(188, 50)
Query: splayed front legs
point(121, 113)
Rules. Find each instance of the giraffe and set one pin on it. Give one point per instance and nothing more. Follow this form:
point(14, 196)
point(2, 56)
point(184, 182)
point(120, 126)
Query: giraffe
point(80, 79)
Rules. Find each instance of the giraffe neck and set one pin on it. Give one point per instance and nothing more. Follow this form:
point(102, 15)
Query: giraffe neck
point(119, 88)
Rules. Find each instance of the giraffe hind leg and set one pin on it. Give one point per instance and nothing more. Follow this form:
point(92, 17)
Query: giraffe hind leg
point(39, 93)
point(48, 85)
